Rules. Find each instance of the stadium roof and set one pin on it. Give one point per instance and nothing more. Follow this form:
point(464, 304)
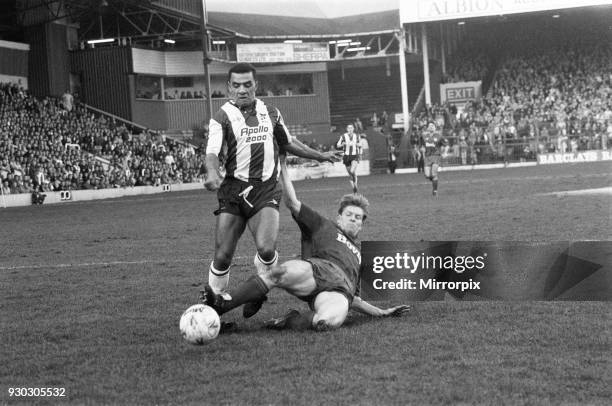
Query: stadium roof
point(281, 19)
point(145, 20)
point(282, 27)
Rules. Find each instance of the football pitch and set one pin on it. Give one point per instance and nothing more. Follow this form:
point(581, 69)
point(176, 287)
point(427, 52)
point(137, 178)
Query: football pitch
point(91, 294)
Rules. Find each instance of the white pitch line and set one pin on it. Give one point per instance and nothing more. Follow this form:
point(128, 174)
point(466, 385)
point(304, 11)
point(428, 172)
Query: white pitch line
point(236, 262)
point(581, 192)
point(89, 264)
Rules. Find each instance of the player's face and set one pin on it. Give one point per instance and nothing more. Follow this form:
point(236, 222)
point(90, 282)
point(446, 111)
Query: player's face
point(241, 88)
point(350, 129)
point(351, 220)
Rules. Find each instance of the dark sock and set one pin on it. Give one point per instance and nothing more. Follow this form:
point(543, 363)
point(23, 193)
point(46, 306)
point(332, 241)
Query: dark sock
point(300, 321)
point(435, 185)
point(252, 290)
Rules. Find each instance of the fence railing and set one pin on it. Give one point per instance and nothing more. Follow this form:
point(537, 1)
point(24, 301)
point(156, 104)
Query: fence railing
point(456, 152)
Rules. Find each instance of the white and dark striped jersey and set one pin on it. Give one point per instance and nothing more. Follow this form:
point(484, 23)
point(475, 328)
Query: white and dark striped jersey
point(250, 140)
point(351, 144)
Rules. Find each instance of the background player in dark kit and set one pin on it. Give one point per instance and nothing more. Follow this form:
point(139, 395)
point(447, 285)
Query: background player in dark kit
point(432, 141)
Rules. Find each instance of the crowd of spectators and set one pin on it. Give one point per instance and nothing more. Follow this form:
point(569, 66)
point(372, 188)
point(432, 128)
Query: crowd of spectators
point(46, 147)
point(470, 63)
point(185, 94)
point(551, 96)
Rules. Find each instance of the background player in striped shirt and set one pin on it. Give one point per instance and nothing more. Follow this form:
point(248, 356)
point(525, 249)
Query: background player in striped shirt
point(249, 135)
point(327, 275)
point(350, 142)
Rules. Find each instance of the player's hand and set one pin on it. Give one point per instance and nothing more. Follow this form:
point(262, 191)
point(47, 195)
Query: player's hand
point(213, 181)
point(332, 156)
point(397, 311)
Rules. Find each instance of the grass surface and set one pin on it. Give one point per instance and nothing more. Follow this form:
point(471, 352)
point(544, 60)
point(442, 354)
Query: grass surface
point(91, 294)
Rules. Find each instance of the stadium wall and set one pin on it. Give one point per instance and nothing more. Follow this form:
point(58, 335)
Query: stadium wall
point(191, 113)
point(59, 62)
point(37, 62)
point(25, 199)
point(187, 114)
point(306, 109)
point(359, 91)
point(297, 172)
point(104, 75)
point(152, 113)
point(14, 62)
point(48, 62)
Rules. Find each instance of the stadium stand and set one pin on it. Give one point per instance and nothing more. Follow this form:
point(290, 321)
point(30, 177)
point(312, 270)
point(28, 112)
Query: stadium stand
point(470, 63)
point(546, 95)
point(550, 95)
point(47, 148)
point(363, 91)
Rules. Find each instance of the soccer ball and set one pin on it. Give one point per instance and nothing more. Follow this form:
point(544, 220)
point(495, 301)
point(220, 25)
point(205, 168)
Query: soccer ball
point(200, 324)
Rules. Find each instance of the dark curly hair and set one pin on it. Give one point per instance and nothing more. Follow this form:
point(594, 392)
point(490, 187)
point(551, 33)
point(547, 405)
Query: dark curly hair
point(241, 67)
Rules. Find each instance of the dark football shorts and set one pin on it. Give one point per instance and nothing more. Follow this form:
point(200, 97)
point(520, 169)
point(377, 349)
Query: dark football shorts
point(348, 159)
point(245, 199)
point(329, 277)
point(432, 160)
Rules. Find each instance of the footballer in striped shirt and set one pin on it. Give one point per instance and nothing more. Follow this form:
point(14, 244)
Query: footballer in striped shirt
point(350, 143)
point(249, 135)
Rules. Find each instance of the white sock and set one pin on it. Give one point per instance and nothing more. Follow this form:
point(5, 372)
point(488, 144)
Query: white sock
point(262, 266)
point(218, 280)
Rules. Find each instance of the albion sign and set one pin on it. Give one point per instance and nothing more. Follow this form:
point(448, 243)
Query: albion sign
point(417, 11)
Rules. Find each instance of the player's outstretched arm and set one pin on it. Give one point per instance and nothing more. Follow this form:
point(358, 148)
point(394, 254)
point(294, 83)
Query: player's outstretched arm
point(298, 148)
point(291, 200)
point(213, 177)
point(362, 306)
